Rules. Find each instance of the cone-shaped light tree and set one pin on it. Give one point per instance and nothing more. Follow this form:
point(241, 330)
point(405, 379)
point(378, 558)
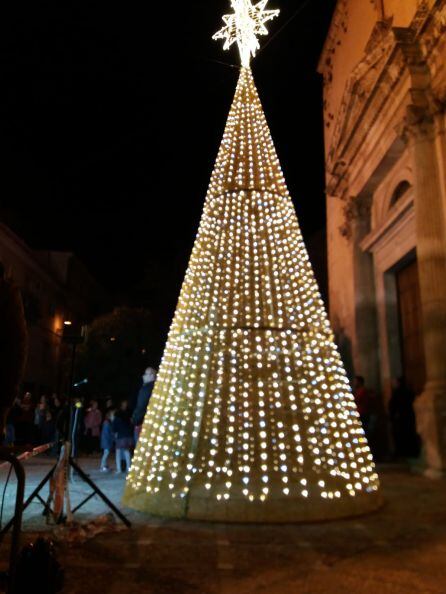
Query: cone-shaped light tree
point(252, 417)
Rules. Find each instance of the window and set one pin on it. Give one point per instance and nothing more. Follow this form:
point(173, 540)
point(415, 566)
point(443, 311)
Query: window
point(400, 191)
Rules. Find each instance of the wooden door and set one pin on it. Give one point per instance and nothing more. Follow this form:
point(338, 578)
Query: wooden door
point(411, 331)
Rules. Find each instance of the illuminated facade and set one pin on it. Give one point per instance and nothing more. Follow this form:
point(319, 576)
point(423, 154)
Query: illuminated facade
point(384, 98)
point(252, 418)
point(55, 286)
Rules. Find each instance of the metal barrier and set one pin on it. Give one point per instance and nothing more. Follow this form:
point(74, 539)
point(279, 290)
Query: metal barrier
point(9, 456)
point(14, 457)
point(46, 504)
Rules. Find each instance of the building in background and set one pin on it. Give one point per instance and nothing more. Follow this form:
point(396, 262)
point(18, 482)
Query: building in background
point(384, 110)
point(55, 288)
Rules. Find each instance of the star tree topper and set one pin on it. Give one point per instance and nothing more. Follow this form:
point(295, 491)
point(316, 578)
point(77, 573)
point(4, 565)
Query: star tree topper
point(244, 26)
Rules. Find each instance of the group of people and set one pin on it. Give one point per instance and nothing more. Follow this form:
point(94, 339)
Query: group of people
point(30, 423)
point(406, 441)
point(121, 428)
point(107, 429)
point(102, 425)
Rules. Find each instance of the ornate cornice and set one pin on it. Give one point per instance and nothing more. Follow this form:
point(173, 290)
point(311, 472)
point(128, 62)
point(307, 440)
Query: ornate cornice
point(435, 28)
point(420, 120)
point(338, 175)
point(424, 11)
point(378, 4)
point(418, 124)
point(434, 46)
point(355, 209)
point(389, 52)
point(372, 71)
point(337, 31)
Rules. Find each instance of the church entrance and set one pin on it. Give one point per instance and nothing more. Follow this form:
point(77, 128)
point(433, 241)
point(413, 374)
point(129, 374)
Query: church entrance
point(410, 324)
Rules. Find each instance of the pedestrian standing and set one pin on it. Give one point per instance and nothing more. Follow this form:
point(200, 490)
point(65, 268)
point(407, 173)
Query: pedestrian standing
point(11, 423)
point(123, 430)
point(143, 399)
point(406, 440)
point(13, 344)
point(39, 419)
point(92, 423)
point(364, 399)
point(109, 404)
point(56, 405)
point(25, 423)
point(48, 428)
point(107, 439)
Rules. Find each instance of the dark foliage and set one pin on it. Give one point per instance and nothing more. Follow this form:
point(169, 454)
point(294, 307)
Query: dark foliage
point(117, 350)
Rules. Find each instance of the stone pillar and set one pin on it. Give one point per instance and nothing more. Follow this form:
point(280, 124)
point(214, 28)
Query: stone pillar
point(365, 339)
point(366, 326)
point(431, 253)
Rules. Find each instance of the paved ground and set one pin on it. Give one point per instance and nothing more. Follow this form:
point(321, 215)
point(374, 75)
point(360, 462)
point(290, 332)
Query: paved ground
point(400, 549)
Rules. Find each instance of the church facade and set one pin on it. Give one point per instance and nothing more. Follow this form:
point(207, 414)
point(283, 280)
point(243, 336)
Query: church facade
point(384, 71)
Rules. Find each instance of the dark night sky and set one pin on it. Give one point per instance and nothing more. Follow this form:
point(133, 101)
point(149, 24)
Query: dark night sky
point(111, 118)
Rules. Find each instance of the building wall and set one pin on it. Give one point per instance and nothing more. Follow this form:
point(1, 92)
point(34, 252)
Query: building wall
point(341, 296)
point(351, 27)
point(43, 301)
point(55, 287)
point(401, 11)
point(384, 74)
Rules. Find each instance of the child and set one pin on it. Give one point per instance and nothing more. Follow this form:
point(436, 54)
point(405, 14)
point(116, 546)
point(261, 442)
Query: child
point(123, 430)
point(107, 439)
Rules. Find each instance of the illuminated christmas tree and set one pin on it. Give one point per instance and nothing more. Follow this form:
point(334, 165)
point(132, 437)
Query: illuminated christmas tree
point(252, 417)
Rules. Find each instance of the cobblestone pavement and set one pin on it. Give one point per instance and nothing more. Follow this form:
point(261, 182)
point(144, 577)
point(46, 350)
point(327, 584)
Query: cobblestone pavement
point(400, 549)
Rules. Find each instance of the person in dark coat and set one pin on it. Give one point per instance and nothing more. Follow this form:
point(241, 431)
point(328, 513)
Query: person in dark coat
point(40, 417)
point(365, 402)
point(123, 431)
point(25, 429)
point(12, 419)
point(13, 345)
point(107, 438)
point(92, 424)
point(143, 399)
point(402, 417)
point(48, 427)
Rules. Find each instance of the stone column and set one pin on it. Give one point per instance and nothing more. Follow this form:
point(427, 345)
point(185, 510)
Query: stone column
point(365, 340)
point(431, 253)
point(366, 325)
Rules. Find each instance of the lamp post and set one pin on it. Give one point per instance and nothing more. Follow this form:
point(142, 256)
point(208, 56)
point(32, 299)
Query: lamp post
point(73, 335)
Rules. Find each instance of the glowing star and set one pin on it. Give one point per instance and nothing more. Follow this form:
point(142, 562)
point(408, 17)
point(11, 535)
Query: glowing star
point(244, 26)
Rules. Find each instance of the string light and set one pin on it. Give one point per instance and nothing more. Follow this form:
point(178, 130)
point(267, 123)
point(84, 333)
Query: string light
point(252, 416)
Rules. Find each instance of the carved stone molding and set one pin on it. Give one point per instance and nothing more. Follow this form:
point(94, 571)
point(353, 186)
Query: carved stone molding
point(356, 209)
point(433, 40)
point(420, 119)
point(360, 85)
point(378, 5)
point(378, 37)
point(338, 29)
point(390, 54)
point(337, 175)
point(435, 30)
point(419, 124)
point(422, 14)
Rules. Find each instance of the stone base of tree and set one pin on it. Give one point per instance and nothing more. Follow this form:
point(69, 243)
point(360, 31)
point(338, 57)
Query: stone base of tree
point(197, 506)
